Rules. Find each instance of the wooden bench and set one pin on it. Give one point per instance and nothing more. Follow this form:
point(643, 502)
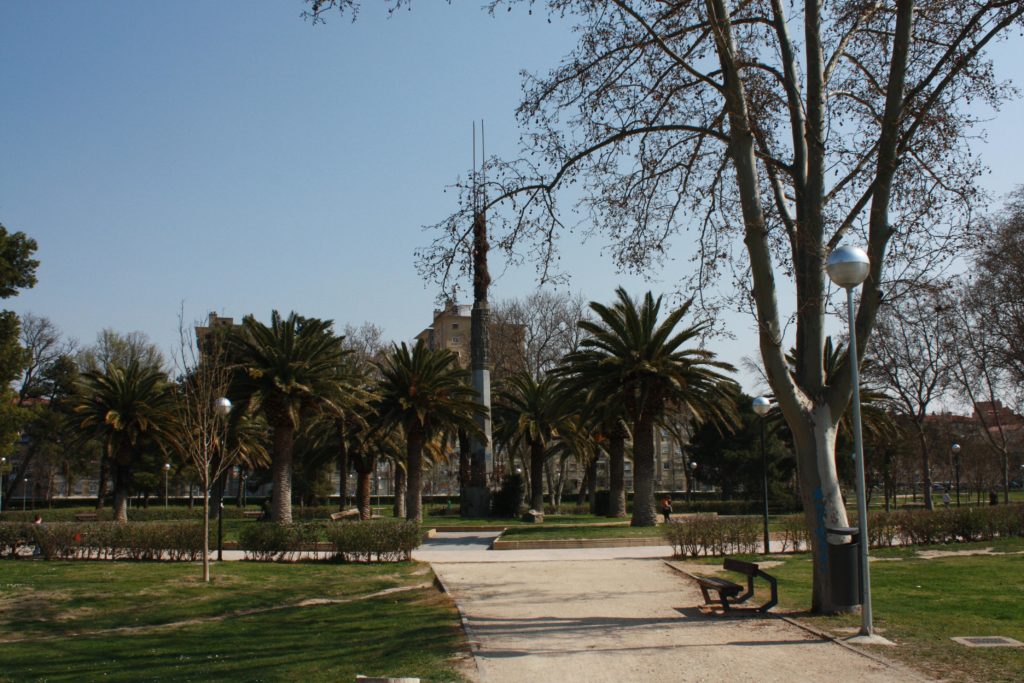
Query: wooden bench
point(730, 593)
point(252, 514)
point(351, 513)
point(86, 517)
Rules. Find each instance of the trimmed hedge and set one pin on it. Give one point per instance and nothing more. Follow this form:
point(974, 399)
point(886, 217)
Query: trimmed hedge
point(712, 535)
point(278, 543)
point(367, 541)
point(921, 527)
point(383, 541)
point(105, 540)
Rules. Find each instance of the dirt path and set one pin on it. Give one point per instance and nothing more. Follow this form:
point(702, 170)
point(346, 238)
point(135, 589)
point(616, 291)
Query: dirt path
point(630, 620)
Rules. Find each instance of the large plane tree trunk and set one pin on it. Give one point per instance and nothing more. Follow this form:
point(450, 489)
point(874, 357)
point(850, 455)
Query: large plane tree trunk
point(284, 443)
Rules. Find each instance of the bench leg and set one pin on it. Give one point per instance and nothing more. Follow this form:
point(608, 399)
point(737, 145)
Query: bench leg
point(775, 592)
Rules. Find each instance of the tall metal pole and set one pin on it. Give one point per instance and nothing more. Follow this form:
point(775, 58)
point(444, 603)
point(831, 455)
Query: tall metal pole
point(764, 473)
point(866, 626)
point(956, 467)
point(220, 517)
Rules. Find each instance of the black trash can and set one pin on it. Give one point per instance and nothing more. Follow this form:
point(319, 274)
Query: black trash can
point(844, 567)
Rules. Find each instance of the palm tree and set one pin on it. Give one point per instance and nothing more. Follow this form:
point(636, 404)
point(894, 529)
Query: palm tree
point(131, 408)
point(534, 413)
point(645, 366)
point(425, 392)
point(287, 371)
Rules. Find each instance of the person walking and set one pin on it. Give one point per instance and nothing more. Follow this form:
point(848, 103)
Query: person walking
point(666, 508)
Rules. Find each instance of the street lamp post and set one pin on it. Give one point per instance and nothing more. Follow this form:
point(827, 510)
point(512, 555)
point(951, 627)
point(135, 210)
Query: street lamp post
point(693, 479)
point(848, 267)
point(24, 493)
point(222, 407)
point(761, 406)
point(3, 466)
point(956, 468)
point(167, 470)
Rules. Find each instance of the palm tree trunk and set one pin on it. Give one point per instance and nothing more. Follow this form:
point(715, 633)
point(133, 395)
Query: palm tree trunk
point(401, 487)
point(364, 466)
point(592, 487)
point(537, 476)
point(414, 464)
point(101, 488)
point(581, 495)
point(617, 474)
point(122, 477)
point(284, 441)
point(342, 476)
point(643, 474)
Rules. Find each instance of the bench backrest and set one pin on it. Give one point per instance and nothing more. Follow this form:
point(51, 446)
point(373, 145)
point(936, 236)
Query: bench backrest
point(748, 568)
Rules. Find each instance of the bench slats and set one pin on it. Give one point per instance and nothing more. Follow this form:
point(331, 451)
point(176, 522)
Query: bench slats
point(729, 592)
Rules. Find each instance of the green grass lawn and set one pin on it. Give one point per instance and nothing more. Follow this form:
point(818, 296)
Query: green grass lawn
point(920, 604)
point(55, 621)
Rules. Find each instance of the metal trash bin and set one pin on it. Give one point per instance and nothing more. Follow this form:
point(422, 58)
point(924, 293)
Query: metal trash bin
point(844, 567)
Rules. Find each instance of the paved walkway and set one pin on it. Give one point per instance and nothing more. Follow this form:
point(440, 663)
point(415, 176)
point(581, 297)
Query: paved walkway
point(620, 614)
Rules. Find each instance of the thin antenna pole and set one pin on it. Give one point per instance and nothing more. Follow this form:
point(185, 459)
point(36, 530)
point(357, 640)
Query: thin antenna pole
point(473, 177)
point(483, 162)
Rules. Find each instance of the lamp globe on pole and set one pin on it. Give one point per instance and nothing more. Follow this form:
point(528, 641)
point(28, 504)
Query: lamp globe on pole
point(848, 267)
point(167, 470)
point(761, 406)
point(222, 406)
point(956, 467)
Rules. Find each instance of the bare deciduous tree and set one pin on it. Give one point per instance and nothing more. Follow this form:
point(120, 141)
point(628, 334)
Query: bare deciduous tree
point(202, 429)
point(719, 122)
point(914, 365)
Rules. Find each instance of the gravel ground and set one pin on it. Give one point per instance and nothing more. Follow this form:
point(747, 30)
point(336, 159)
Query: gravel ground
point(629, 620)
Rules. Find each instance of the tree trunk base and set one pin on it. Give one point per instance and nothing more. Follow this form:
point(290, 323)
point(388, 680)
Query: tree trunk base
point(476, 502)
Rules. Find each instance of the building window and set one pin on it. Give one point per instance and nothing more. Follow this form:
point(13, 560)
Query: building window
point(666, 465)
point(457, 339)
point(455, 326)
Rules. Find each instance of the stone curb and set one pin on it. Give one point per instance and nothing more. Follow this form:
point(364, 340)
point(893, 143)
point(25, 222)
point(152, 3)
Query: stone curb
point(471, 639)
point(564, 543)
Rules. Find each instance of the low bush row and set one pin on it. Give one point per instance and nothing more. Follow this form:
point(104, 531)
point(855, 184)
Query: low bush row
point(922, 527)
point(380, 541)
point(376, 541)
point(104, 540)
point(712, 535)
point(945, 525)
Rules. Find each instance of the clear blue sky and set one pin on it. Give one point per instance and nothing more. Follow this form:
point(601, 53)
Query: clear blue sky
point(234, 157)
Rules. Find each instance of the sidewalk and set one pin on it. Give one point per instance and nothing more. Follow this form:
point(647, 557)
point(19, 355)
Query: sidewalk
point(630, 620)
point(621, 614)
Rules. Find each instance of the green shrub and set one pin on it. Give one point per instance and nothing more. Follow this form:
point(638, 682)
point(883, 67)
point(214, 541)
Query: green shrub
point(383, 541)
point(794, 533)
point(13, 537)
point(508, 500)
point(712, 535)
point(278, 542)
point(106, 540)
